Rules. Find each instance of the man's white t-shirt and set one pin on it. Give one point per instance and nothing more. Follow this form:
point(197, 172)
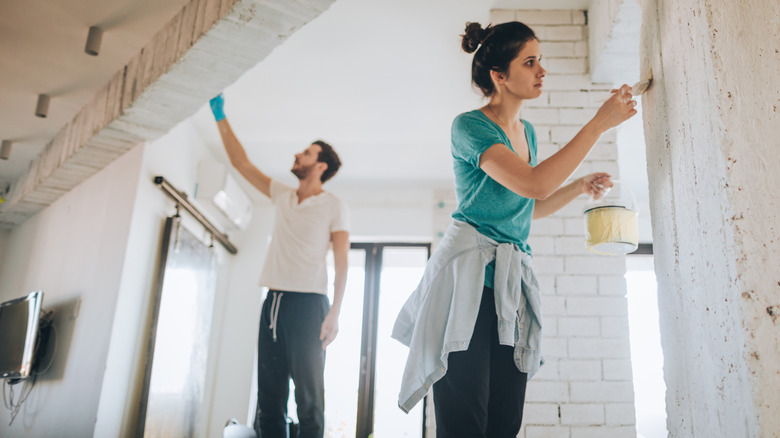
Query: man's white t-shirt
point(296, 259)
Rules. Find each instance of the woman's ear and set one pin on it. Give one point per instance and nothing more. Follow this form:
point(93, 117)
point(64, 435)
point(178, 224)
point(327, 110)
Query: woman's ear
point(497, 77)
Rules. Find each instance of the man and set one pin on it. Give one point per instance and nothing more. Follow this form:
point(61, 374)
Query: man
point(296, 325)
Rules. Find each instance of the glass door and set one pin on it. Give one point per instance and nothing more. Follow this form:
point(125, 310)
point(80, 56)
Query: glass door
point(342, 362)
point(401, 271)
point(175, 375)
point(364, 364)
point(392, 271)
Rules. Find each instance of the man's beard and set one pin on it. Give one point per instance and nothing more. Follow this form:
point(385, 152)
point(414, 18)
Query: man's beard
point(302, 172)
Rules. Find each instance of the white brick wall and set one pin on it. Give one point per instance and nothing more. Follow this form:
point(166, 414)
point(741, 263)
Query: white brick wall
point(582, 414)
point(585, 388)
point(580, 369)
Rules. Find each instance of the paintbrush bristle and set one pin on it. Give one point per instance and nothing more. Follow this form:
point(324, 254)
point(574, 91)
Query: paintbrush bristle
point(642, 86)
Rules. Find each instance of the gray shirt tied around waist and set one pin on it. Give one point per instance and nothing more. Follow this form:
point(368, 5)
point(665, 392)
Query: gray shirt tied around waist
point(439, 316)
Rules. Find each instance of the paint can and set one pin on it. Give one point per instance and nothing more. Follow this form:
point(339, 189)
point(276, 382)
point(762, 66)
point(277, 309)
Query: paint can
point(234, 429)
point(611, 222)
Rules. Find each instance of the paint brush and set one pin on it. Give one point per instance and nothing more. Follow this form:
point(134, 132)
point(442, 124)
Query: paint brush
point(640, 87)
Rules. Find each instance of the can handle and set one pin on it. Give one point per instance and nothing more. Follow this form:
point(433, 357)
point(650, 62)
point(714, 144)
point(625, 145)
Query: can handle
point(630, 192)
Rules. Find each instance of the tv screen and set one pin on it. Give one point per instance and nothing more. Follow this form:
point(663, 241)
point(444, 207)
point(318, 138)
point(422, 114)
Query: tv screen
point(18, 333)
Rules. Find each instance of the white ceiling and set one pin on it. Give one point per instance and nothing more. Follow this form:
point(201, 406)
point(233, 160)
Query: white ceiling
point(381, 80)
point(42, 52)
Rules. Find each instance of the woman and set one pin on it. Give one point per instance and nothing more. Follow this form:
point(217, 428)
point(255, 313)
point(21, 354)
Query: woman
point(474, 324)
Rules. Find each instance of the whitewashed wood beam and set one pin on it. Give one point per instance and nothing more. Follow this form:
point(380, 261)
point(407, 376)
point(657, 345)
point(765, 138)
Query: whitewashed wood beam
point(203, 49)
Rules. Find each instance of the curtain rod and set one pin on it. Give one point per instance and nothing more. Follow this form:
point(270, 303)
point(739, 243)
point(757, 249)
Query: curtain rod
point(181, 199)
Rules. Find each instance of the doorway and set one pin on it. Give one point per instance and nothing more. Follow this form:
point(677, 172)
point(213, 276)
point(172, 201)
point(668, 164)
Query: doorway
point(646, 353)
point(175, 373)
point(364, 365)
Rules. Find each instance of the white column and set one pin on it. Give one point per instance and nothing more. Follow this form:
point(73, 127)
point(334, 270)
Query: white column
point(585, 388)
point(711, 120)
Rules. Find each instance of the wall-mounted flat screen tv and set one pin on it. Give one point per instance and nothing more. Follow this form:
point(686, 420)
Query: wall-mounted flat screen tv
point(19, 320)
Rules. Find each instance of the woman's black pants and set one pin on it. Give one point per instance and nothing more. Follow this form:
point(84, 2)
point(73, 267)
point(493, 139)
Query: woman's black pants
point(483, 392)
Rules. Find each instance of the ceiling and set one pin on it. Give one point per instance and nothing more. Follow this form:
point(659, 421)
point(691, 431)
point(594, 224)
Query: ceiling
point(381, 80)
point(42, 52)
point(390, 71)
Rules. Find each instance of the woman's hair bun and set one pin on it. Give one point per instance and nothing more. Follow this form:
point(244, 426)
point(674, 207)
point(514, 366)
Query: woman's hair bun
point(472, 37)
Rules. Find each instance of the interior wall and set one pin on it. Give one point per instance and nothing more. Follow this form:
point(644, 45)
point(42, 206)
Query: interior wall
point(175, 156)
point(94, 252)
point(3, 244)
point(74, 251)
point(711, 117)
point(234, 339)
point(585, 387)
point(388, 212)
point(602, 14)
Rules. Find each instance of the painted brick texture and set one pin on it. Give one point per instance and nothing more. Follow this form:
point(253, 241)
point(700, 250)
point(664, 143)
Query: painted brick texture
point(585, 388)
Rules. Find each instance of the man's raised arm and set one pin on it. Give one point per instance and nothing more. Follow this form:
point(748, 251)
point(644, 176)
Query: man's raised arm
point(236, 152)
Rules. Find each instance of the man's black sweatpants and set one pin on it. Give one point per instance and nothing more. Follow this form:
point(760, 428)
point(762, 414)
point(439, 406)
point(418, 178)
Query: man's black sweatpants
point(289, 346)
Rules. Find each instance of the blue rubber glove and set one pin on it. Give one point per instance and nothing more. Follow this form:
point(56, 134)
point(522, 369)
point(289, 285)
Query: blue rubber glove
point(218, 107)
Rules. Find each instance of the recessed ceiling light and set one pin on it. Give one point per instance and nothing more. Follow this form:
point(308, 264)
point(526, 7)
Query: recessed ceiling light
point(94, 37)
point(5, 149)
point(42, 108)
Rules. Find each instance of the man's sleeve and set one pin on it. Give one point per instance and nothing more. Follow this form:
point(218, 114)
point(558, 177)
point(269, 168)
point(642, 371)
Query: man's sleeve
point(341, 220)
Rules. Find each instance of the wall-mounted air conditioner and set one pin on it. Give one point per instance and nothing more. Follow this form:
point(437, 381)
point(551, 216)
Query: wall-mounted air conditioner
point(219, 193)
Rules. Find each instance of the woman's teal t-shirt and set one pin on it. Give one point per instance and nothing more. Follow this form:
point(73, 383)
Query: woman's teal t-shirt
point(491, 208)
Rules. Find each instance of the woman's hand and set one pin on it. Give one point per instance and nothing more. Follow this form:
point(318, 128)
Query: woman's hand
point(596, 185)
point(616, 110)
